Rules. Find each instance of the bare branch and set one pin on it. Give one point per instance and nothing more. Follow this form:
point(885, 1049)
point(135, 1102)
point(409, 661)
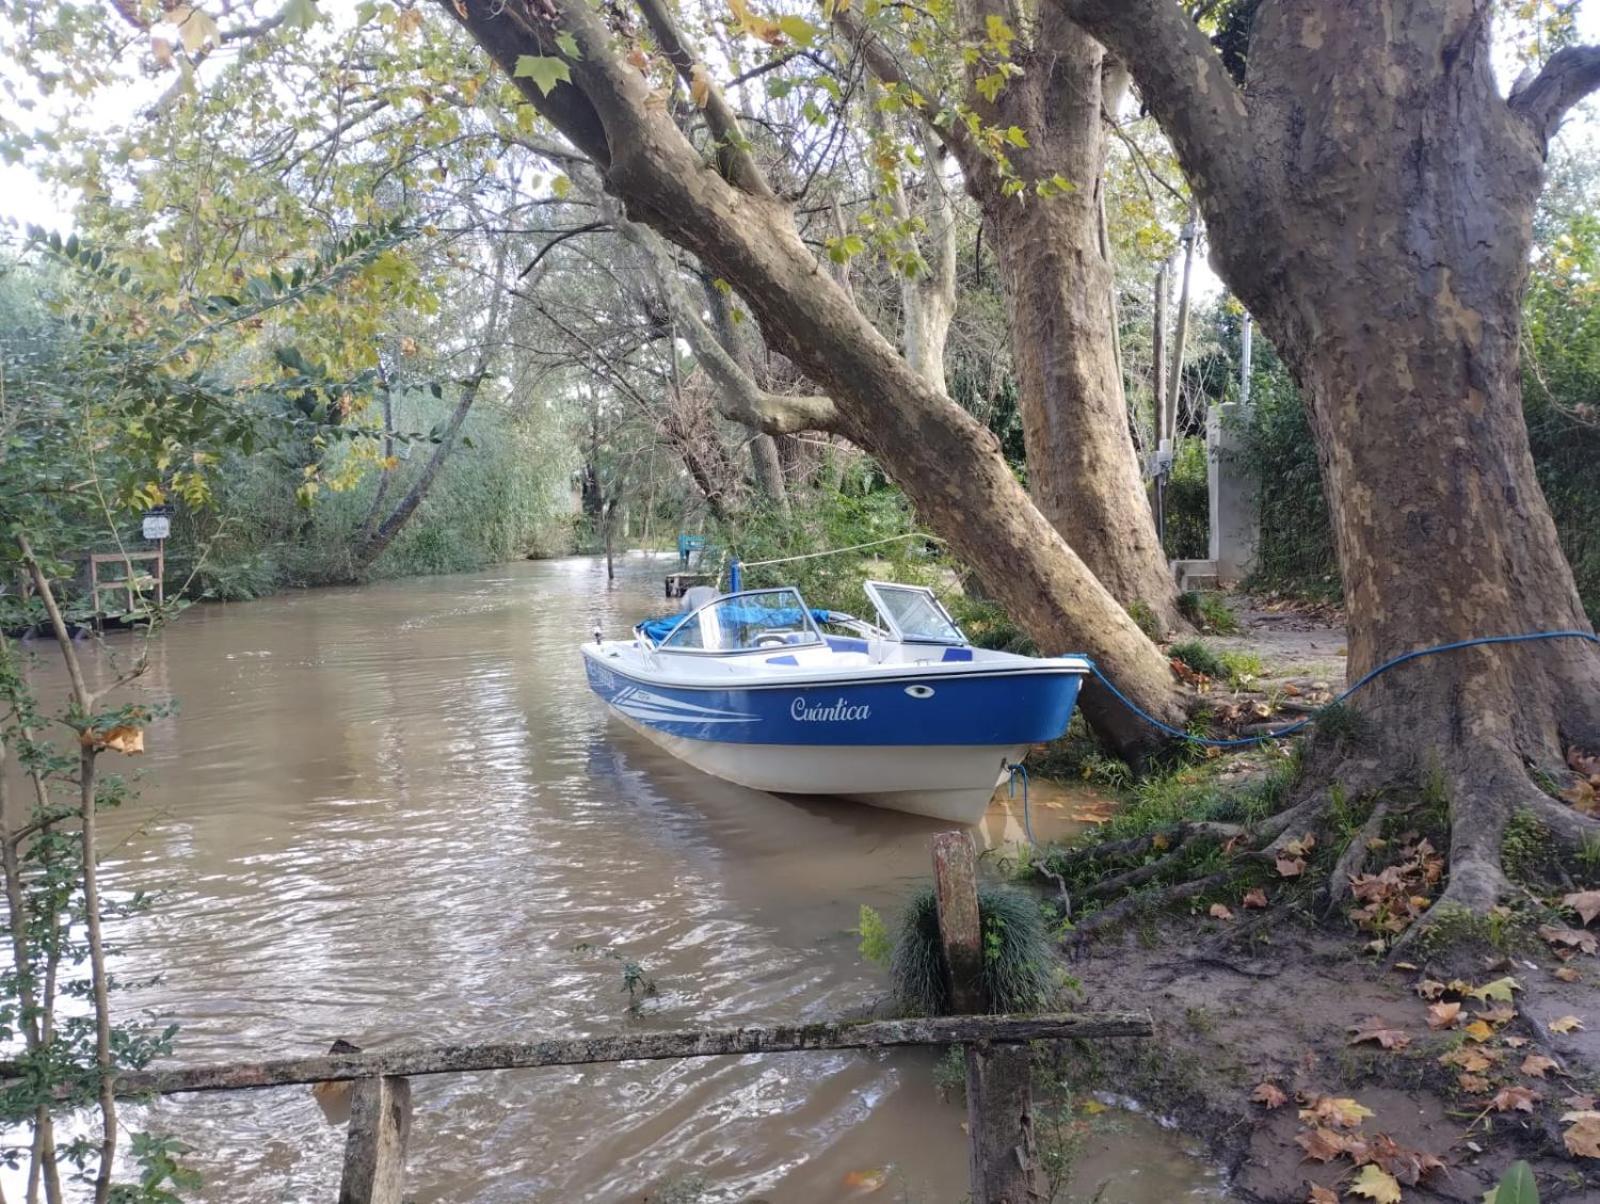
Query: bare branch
point(1570, 76)
point(739, 398)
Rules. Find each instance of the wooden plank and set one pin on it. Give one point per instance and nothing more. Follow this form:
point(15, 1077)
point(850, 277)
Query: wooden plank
point(375, 1147)
point(121, 557)
point(955, 885)
point(1001, 1159)
point(629, 1047)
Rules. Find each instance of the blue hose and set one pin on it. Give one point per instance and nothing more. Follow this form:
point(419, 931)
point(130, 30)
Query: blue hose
point(1310, 719)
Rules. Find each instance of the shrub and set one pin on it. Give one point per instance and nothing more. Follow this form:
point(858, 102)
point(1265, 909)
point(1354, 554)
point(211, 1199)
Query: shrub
point(1017, 955)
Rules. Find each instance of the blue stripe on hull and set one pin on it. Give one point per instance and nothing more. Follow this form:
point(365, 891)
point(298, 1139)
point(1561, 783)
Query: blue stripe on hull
point(992, 709)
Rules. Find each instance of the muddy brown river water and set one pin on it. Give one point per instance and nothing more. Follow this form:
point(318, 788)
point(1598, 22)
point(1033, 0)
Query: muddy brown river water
point(393, 813)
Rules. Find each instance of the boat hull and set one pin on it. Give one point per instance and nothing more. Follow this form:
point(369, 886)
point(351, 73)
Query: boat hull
point(926, 740)
point(953, 783)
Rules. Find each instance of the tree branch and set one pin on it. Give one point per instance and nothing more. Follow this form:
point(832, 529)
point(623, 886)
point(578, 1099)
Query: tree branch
point(739, 398)
point(1184, 83)
point(1567, 78)
point(886, 69)
point(733, 159)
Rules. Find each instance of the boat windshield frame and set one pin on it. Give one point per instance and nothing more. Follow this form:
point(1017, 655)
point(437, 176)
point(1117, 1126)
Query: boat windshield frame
point(958, 638)
point(808, 626)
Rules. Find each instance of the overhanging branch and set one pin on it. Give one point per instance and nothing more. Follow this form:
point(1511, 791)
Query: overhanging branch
point(1570, 76)
point(1183, 81)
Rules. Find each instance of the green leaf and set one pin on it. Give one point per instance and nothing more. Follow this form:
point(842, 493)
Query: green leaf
point(1016, 137)
point(545, 72)
point(1516, 1187)
point(798, 30)
point(300, 14)
point(568, 45)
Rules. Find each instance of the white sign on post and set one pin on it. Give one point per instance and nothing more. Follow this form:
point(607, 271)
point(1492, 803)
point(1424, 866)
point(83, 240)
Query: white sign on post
point(157, 526)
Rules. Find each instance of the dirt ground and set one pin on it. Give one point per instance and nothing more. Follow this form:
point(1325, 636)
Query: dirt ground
point(1298, 1004)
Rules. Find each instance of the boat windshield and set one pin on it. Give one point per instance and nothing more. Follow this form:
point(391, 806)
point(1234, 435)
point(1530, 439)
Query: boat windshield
point(913, 614)
point(760, 619)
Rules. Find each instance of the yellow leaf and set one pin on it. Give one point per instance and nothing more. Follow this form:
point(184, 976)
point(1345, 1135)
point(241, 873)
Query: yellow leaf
point(1478, 1031)
point(1566, 1024)
point(699, 85)
point(1376, 1184)
point(1500, 989)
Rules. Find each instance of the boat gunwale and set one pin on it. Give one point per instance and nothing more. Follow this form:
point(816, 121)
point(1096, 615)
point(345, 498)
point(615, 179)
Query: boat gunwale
point(881, 674)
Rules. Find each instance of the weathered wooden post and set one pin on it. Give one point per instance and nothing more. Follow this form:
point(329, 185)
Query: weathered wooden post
point(375, 1149)
point(1002, 1164)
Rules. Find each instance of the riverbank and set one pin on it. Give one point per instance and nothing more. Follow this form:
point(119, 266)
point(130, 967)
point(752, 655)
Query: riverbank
point(1290, 1041)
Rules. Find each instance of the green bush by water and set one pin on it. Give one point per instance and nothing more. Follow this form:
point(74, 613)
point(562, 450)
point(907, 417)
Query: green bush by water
point(1018, 958)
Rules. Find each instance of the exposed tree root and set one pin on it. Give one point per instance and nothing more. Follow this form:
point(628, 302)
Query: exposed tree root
point(1164, 897)
point(1353, 859)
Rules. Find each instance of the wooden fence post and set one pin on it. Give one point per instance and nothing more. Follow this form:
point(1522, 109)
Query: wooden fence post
point(1002, 1163)
point(375, 1149)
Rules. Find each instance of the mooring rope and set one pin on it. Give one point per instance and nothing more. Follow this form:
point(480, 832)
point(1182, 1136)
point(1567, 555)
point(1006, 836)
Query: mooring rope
point(756, 564)
point(1302, 724)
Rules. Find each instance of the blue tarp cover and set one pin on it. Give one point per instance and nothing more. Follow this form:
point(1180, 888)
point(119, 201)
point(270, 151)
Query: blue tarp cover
point(733, 614)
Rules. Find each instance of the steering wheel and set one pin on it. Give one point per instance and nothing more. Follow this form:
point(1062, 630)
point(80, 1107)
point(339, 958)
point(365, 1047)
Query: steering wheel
point(774, 639)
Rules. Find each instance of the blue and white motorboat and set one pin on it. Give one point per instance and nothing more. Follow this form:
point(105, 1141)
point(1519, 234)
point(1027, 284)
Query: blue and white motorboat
point(903, 713)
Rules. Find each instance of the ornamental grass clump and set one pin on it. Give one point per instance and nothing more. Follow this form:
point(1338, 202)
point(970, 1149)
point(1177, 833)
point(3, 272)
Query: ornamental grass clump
point(1016, 954)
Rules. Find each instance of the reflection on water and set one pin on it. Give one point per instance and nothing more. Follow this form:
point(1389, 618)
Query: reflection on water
point(392, 814)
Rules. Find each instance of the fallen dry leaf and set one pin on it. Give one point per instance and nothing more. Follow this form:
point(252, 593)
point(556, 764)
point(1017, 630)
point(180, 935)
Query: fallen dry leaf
point(1514, 1042)
point(1322, 1195)
point(1583, 1137)
point(1220, 911)
point(1566, 1024)
point(1339, 1112)
point(1501, 1013)
point(1466, 1058)
point(1254, 898)
point(864, 1183)
point(1375, 1184)
point(1429, 988)
point(1579, 1103)
point(1443, 1015)
point(1405, 1164)
point(1376, 1028)
point(1478, 1031)
point(1585, 902)
point(1570, 938)
point(1520, 1098)
point(1538, 1065)
point(1582, 797)
point(1567, 974)
point(1299, 848)
point(1291, 867)
point(1320, 1145)
point(1472, 1084)
point(1270, 1095)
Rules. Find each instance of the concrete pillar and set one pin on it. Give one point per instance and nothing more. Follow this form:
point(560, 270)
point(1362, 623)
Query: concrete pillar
point(1235, 520)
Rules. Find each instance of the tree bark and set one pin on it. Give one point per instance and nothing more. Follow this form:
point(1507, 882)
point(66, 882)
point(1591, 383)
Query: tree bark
point(948, 465)
point(1370, 197)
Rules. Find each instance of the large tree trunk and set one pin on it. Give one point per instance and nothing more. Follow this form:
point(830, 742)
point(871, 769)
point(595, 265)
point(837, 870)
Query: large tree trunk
point(1083, 469)
point(1371, 203)
point(727, 215)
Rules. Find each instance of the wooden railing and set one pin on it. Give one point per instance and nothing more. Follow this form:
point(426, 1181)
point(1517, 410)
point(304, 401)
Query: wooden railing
point(999, 1101)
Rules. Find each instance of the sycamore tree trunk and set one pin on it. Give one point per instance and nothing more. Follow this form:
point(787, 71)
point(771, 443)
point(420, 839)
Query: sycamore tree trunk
point(1370, 196)
point(726, 214)
point(1056, 277)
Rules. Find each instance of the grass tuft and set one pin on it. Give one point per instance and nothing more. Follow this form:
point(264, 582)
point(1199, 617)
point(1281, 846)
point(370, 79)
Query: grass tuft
point(1017, 954)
